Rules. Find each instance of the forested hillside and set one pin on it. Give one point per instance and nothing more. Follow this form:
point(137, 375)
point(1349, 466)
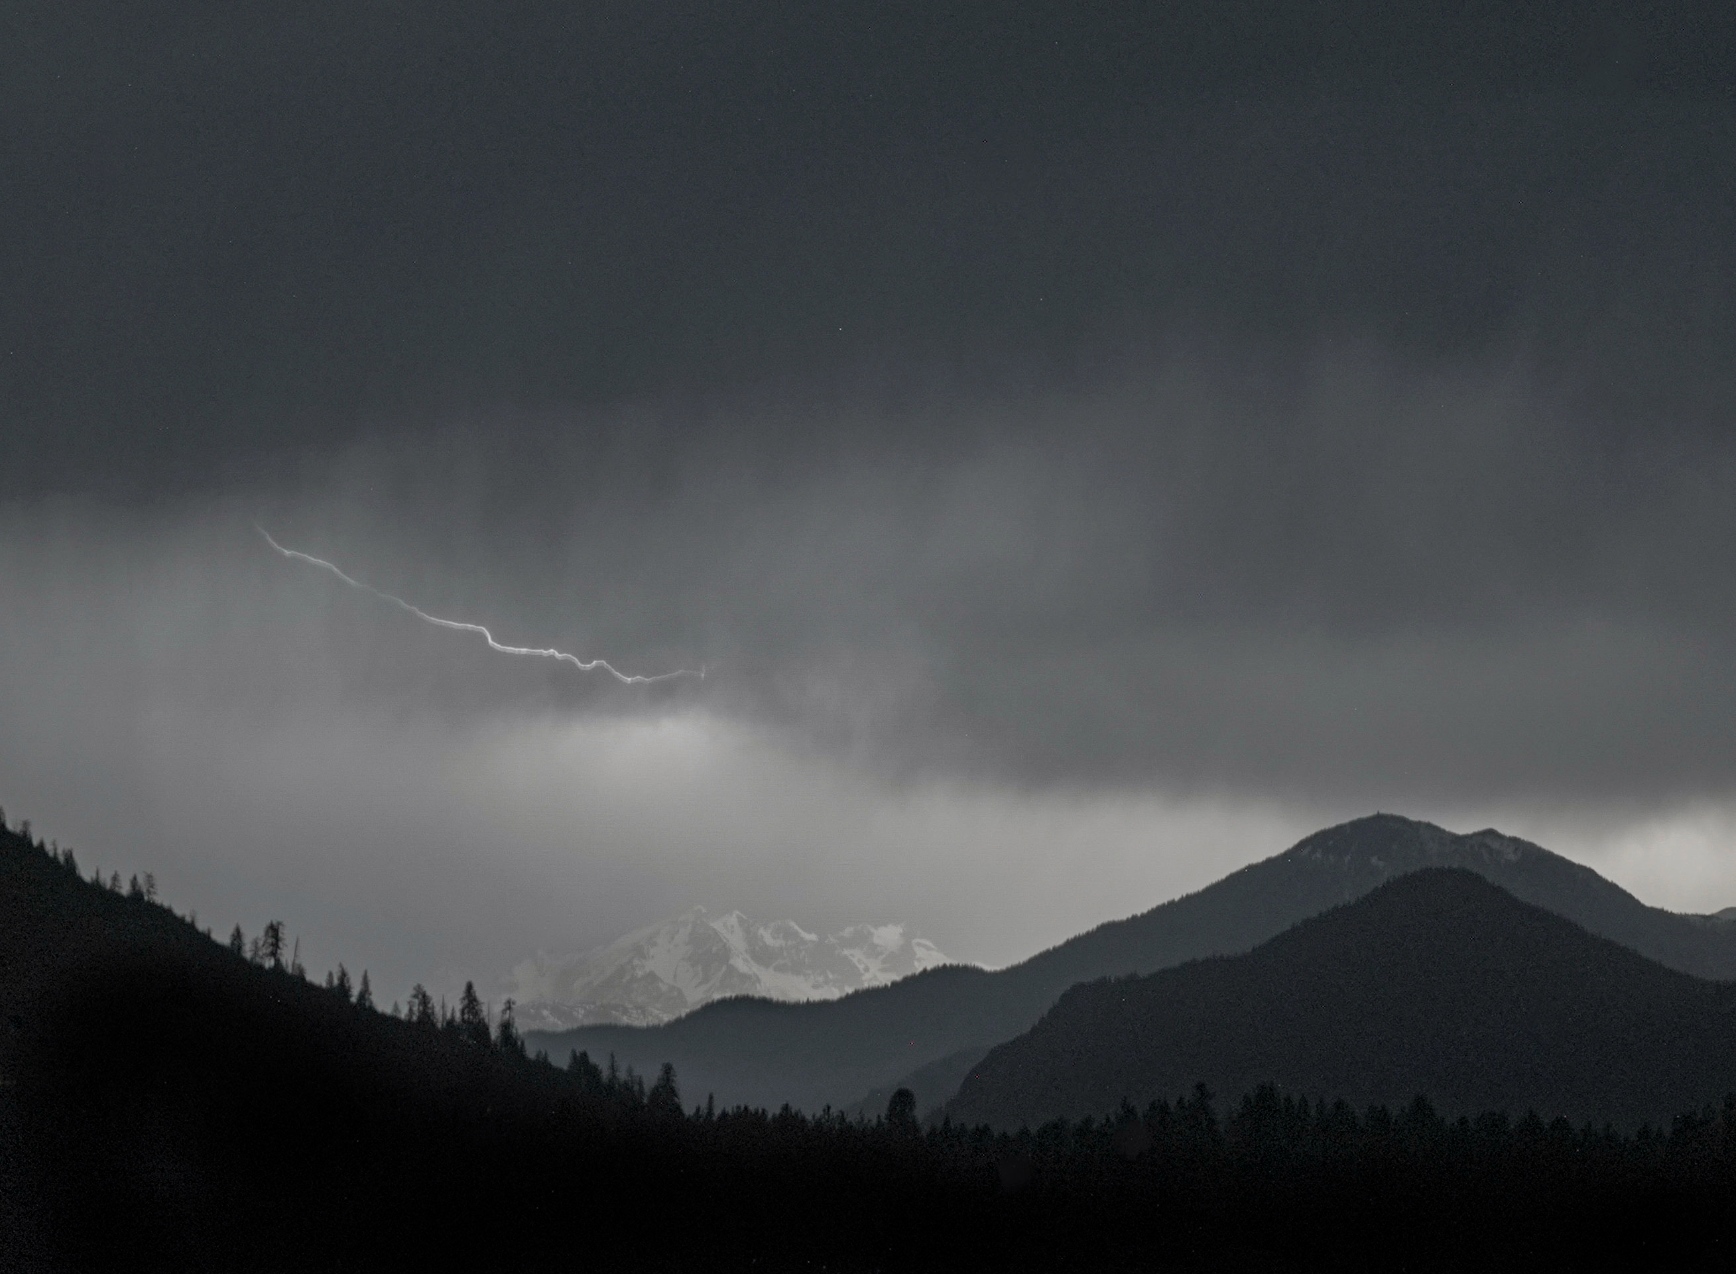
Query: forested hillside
point(169, 1103)
point(1438, 982)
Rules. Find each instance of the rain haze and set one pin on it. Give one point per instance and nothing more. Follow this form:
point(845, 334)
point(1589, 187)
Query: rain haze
point(1084, 448)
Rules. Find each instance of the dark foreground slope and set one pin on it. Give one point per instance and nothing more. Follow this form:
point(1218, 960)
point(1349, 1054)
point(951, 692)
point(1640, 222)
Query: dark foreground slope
point(1436, 983)
point(165, 1104)
point(835, 1052)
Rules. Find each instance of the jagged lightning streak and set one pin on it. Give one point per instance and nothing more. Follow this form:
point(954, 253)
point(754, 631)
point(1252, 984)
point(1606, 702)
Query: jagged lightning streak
point(460, 626)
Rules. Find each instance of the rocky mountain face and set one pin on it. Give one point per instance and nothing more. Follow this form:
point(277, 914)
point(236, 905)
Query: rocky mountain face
point(657, 973)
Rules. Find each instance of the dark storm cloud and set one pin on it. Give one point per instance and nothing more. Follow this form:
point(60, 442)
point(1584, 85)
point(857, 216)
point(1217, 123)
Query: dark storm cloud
point(239, 233)
point(1329, 403)
point(1344, 577)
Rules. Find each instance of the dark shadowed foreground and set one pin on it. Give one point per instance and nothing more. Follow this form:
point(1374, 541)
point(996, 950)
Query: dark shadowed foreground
point(168, 1103)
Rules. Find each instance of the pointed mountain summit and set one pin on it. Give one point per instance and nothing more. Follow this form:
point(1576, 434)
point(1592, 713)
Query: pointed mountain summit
point(1436, 983)
point(1344, 862)
point(837, 1052)
point(660, 971)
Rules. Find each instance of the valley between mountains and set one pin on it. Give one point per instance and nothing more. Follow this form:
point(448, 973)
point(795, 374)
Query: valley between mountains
point(929, 1031)
point(1389, 1038)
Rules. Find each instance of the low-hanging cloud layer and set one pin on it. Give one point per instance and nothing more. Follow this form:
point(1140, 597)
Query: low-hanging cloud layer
point(1079, 465)
point(1004, 689)
point(1376, 583)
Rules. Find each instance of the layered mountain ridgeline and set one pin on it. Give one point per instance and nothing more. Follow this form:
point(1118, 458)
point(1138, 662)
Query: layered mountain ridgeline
point(929, 1086)
point(168, 1104)
point(831, 1053)
point(836, 1053)
point(1438, 983)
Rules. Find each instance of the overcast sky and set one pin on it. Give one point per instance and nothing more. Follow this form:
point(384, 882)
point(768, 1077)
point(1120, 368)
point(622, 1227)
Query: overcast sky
point(1086, 447)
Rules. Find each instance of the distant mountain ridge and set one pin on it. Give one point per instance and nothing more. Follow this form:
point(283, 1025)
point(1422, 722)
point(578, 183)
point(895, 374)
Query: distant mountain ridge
point(160, 1093)
point(662, 970)
point(811, 1055)
point(1438, 983)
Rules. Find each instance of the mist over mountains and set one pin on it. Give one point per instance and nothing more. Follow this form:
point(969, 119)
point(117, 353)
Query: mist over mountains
point(926, 1031)
point(169, 1101)
point(1364, 437)
point(665, 969)
point(1022, 463)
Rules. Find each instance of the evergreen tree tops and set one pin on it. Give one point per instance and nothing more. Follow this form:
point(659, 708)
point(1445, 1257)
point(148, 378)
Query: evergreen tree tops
point(297, 1102)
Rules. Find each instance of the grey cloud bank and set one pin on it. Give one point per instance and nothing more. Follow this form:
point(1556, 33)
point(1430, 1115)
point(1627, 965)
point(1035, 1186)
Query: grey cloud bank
point(1002, 686)
point(1382, 586)
point(1086, 450)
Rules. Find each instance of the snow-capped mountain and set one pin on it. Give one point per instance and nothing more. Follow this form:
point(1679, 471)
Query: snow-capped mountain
point(666, 969)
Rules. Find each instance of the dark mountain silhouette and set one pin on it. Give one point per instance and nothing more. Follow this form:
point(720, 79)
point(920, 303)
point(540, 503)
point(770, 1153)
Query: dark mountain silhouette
point(1438, 983)
point(836, 1052)
point(167, 1103)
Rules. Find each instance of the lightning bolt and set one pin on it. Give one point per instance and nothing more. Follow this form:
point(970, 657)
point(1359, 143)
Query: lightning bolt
point(458, 625)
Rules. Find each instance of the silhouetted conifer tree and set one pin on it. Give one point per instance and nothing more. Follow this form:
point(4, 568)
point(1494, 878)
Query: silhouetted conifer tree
point(421, 1007)
point(471, 1018)
point(585, 1071)
point(365, 994)
point(238, 942)
point(271, 944)
point(341, 984)
point(664, 1099)
point(507, 1037)
point(901, 1112)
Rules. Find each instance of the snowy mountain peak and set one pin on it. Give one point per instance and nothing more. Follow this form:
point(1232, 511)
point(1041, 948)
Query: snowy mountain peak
point(669, 968)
